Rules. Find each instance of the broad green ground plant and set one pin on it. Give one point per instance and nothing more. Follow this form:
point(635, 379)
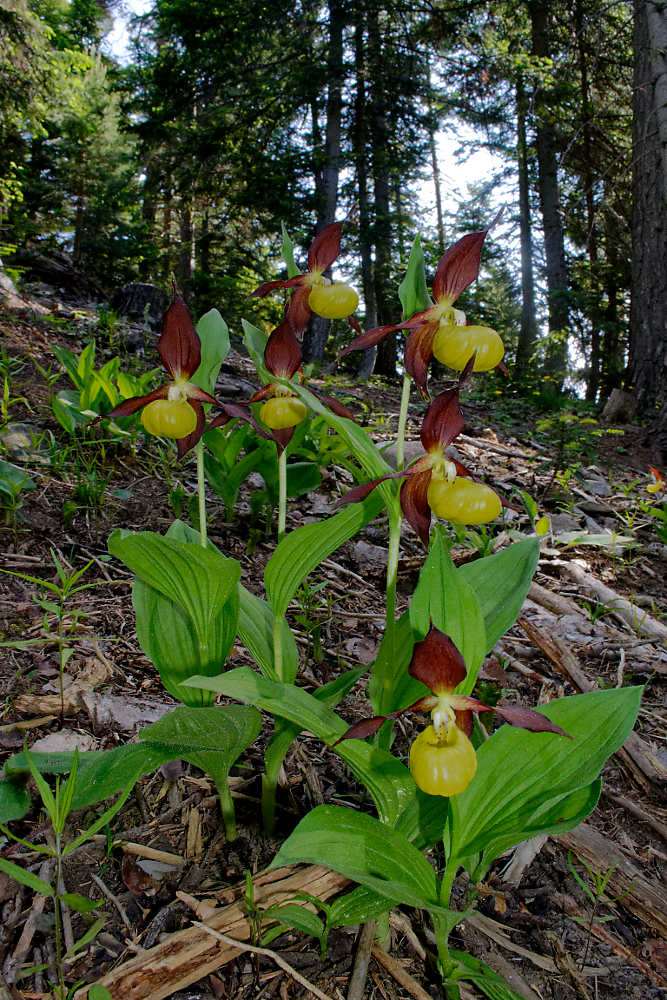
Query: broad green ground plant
point(473, 796)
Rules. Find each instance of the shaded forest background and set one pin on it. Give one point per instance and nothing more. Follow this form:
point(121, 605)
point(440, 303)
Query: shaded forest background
point(235, 117)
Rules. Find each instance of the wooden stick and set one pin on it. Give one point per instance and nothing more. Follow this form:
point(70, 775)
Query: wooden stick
point(267, 953)
point(638, 619)
point(400, 974)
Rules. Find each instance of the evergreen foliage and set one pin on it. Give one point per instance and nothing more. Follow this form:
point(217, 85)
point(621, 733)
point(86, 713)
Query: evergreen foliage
point(235, 117)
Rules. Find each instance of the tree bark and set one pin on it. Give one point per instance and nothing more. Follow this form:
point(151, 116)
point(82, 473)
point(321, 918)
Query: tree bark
point(648, 327)
point(528, 330)
point(554, 247)
point(184, 257)
point(588, 179)
point(359, 136)
point(315, 338)
point(385, 363)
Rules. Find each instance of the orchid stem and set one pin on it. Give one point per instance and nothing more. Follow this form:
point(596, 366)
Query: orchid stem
point(402, 422)
point(395, 539)
point(201, 493)
point(282, 493)
point(227, 810)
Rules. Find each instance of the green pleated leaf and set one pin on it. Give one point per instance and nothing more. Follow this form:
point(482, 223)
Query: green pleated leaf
point(199, 581)
point(284, 732)
point(523, 779)
point(303, 549)
point(358, 906)
point(168, 638)
point(302, 477)
point(254, 341)
point(15, 799)
point(291, 915)
point(389, 783)
point(255, 630)
point(365, 850)
point(288, 253)
point(446, 599)
point(214, 335)
point(500, 583)
point(485, 979)
point(97, 992)
point(412, 291)
point(186, 602)
point(226, 481)
point(14, 480)
point(210, 738)
point(390, 687)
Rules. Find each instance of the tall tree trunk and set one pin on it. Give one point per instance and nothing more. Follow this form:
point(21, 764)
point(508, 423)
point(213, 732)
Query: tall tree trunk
point(648, 320)
point(435, 167)
point(167, 210)
point(386, 355)
point(528, 330)
point(587, 176)
point(184, 258)
point(359, 137)
point(149, 214)
point(554, 248)
point(315, 338)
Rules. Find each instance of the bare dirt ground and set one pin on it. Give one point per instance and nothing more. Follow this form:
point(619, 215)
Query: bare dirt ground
point(535, 924)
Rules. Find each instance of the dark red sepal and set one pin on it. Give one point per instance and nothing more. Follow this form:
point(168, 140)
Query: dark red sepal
point(130, 406)
point(282, 354)
point(236, 411)
point(418, 353)
point(437, 663)
point(183, 445)
point(368, 339)
point(325, 247)
point(179, 346)
point(528, 718)
point(194, 392)
point(443, 421)
point(414, 503)
point(354, 323)
point(360, 730)
point(298, 311)
point(465, 721)
point(338, 408)
point(367, 727)
point(459, 266)
point(360, 493)
point(282, 438)
point(270, 286)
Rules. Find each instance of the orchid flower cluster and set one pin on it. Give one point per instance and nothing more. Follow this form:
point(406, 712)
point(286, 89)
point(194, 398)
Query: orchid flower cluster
point(477, 796)
point(175, 409)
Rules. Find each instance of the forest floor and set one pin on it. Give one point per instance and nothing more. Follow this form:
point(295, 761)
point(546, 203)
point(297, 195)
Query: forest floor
point(165, 860)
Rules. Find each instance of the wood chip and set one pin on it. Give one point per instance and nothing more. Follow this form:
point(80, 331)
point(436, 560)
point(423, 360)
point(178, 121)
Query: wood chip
point(189, 955)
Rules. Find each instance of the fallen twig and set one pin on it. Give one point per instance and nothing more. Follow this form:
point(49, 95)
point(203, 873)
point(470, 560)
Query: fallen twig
point(357, 983)
point(267, 953)
point(638, 619)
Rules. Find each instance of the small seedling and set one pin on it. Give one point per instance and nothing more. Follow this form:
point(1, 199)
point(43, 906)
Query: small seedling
point(57, 804)
point(595, 888)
